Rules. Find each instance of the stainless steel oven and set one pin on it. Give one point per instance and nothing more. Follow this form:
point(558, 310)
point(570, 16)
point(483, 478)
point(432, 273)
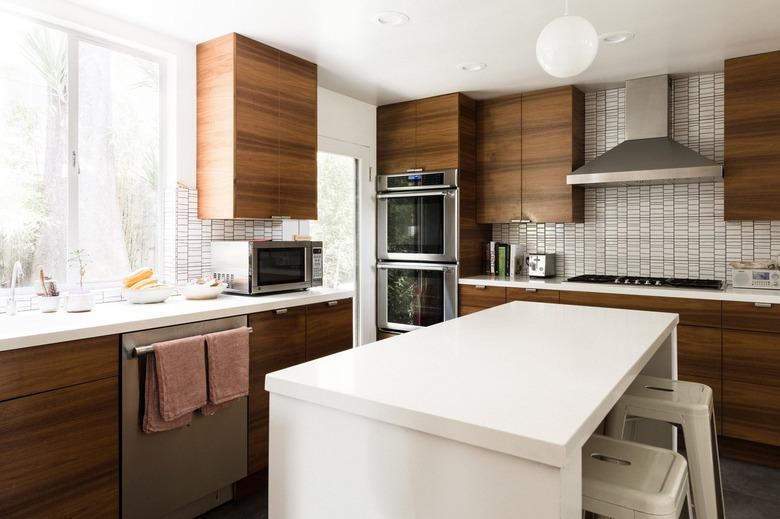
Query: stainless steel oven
point(417, 216)
point(414, 295)
point(263, 267)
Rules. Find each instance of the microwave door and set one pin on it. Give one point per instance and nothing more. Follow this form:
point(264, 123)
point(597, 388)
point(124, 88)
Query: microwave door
point(418, 226)
point(413, 295)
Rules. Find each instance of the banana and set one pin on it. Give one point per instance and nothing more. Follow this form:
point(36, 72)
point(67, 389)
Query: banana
point(137, 276)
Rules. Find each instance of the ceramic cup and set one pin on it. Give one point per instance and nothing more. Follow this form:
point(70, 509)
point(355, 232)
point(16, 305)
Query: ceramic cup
point(48, 304)
point(80, 302)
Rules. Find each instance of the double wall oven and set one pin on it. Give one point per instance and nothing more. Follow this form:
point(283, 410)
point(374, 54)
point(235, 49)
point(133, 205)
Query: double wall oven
point(417, 249)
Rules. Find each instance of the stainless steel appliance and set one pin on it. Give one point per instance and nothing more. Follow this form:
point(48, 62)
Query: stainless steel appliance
point(541, 265)
point(264, 267)
point(414, 295)
point(648, 155)
point(183, 472)
point(756, 278)
point(712, 284)
point(417, 216)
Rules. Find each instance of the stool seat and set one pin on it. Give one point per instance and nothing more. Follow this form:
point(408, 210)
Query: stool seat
point(651, 392)
point(632, 476)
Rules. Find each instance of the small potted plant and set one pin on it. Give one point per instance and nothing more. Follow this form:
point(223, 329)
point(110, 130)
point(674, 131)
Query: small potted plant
point(80, 299)
point(49, 295)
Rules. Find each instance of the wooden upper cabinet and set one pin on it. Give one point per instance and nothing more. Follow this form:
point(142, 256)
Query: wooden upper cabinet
point(752, 124)
point(422, 134)
point(553, 131)
point(257, 131)
point(396, 129)
point(499, 159)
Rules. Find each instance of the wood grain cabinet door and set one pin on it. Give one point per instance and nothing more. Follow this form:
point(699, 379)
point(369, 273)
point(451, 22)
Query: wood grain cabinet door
point(472, 298)
point(699, 359)
point(752, 133)
point(328, 328)
point(532, 294)
point(59, 453)
point(277, 342)
point(553, 127)
point(437, 132)
point(297, 138)
point(499, 159)
point(396, 130)
point(256, 182)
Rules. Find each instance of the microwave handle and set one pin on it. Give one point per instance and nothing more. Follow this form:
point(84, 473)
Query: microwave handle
point(416, 193)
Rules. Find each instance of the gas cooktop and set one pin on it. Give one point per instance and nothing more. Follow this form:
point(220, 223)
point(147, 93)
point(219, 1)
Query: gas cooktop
point(712, 284)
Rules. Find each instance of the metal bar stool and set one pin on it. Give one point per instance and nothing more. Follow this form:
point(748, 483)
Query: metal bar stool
point(689, 406)
point(626, 480)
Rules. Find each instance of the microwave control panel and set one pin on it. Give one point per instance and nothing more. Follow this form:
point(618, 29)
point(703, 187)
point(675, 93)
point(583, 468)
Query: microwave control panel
point(316, 266)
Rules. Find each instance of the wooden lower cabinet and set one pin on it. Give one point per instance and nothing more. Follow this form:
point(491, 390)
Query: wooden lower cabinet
point(472, 298)
point(699, 359)
point(59, 452)
point(278, 342)
point(328, 328)
point(751, 412)
point(532, 294)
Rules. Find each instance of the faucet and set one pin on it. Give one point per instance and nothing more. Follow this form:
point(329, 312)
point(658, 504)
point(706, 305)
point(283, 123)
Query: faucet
point(16, 273)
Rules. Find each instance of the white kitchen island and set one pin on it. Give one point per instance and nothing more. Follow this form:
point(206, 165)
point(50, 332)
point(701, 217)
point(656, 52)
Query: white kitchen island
point(479, 417)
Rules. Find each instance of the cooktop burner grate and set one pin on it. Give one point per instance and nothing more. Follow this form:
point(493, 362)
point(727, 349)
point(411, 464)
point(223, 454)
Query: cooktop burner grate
point(712, 284)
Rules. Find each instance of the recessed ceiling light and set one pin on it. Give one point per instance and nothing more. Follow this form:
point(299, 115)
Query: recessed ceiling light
point(391, 18)
point(472, 67)
point(613, 38)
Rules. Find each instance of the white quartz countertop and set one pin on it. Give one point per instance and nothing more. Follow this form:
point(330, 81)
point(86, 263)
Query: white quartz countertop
point(33, 328)
point(528, 379)
point(728, 294)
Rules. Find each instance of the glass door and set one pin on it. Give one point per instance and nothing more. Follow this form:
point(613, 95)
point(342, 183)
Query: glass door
point(418, 225)
point(415, 295)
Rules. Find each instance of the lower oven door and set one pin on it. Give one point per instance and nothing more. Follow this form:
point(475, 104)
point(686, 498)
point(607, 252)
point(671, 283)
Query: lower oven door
point(414, 295)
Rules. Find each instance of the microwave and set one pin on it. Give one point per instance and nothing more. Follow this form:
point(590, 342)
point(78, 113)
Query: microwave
point(263, 267)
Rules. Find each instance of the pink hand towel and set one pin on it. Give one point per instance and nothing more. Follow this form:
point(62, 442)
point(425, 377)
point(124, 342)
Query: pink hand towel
point(228, 367)
point(153, 421)
point(181, 376)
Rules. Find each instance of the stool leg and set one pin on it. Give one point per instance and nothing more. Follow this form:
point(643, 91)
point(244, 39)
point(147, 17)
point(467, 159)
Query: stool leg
point(616, 422)
point(702, 464)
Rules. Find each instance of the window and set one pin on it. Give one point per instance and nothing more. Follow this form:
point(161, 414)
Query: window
point(79, 154)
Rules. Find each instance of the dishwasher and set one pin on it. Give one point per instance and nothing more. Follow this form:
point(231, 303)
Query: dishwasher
point(184, 472)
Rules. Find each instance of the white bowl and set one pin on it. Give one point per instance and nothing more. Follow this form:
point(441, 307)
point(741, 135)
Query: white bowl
point(79, 301)
point(148, 296)
point(196, 291)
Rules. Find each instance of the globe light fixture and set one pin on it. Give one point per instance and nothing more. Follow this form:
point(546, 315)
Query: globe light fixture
point(567, 45)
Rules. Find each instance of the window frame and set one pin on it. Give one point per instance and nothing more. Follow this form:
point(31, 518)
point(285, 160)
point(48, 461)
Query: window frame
point(73, 38)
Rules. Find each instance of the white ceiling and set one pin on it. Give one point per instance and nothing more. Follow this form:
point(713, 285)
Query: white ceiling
point(382, 64)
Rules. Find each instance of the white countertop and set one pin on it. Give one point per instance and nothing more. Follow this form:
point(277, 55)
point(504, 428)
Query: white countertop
point(529, 379)
point(728, 294)
point(34, 328)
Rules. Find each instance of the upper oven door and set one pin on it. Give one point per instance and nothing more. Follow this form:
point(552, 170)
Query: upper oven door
point(418, 225)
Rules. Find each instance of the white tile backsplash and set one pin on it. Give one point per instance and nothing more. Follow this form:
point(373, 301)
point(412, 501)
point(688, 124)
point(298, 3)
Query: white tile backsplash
point(669, 230)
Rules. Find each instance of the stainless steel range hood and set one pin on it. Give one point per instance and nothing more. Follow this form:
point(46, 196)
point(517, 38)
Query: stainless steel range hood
point(648, 155)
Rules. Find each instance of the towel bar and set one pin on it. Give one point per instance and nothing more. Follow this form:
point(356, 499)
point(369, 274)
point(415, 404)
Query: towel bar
point(143, 350)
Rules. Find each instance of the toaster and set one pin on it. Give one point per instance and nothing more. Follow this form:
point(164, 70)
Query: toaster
point(541, 265)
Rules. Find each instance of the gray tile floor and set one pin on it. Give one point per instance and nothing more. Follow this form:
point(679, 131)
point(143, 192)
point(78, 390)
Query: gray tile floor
point(751, 492)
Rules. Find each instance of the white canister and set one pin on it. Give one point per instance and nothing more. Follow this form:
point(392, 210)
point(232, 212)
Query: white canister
point(80, 301)
point(48, 304)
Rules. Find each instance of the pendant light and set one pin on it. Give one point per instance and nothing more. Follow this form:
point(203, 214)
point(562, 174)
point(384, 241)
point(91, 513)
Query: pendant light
point(567, 45)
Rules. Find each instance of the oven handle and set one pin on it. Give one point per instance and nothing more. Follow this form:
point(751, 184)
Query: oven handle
point(420, 193)
point(415, 266)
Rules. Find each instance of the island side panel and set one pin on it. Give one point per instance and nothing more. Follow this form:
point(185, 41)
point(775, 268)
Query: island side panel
point(327, 463)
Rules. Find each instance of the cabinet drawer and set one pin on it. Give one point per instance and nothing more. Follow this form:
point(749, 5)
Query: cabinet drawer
point(752, 357)
point(751, 412)
point(466, 310)
point(695, 312)
point(532, 294)
point(481, 296)
point(760, 317)
point(699, 353)
point(328, 328)
point(27, 371)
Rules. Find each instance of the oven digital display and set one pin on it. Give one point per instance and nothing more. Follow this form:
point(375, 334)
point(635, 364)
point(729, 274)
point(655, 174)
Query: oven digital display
point(760, 276)
point(415, 180)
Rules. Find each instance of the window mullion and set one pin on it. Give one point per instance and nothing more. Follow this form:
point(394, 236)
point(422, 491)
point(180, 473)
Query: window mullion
point(73, 153)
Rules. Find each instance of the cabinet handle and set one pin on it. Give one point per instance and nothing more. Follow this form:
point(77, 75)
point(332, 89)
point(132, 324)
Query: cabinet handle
point(280, 311)
point(480, 287)
point(332, 303)
point(531, 289)
point(763, 305)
